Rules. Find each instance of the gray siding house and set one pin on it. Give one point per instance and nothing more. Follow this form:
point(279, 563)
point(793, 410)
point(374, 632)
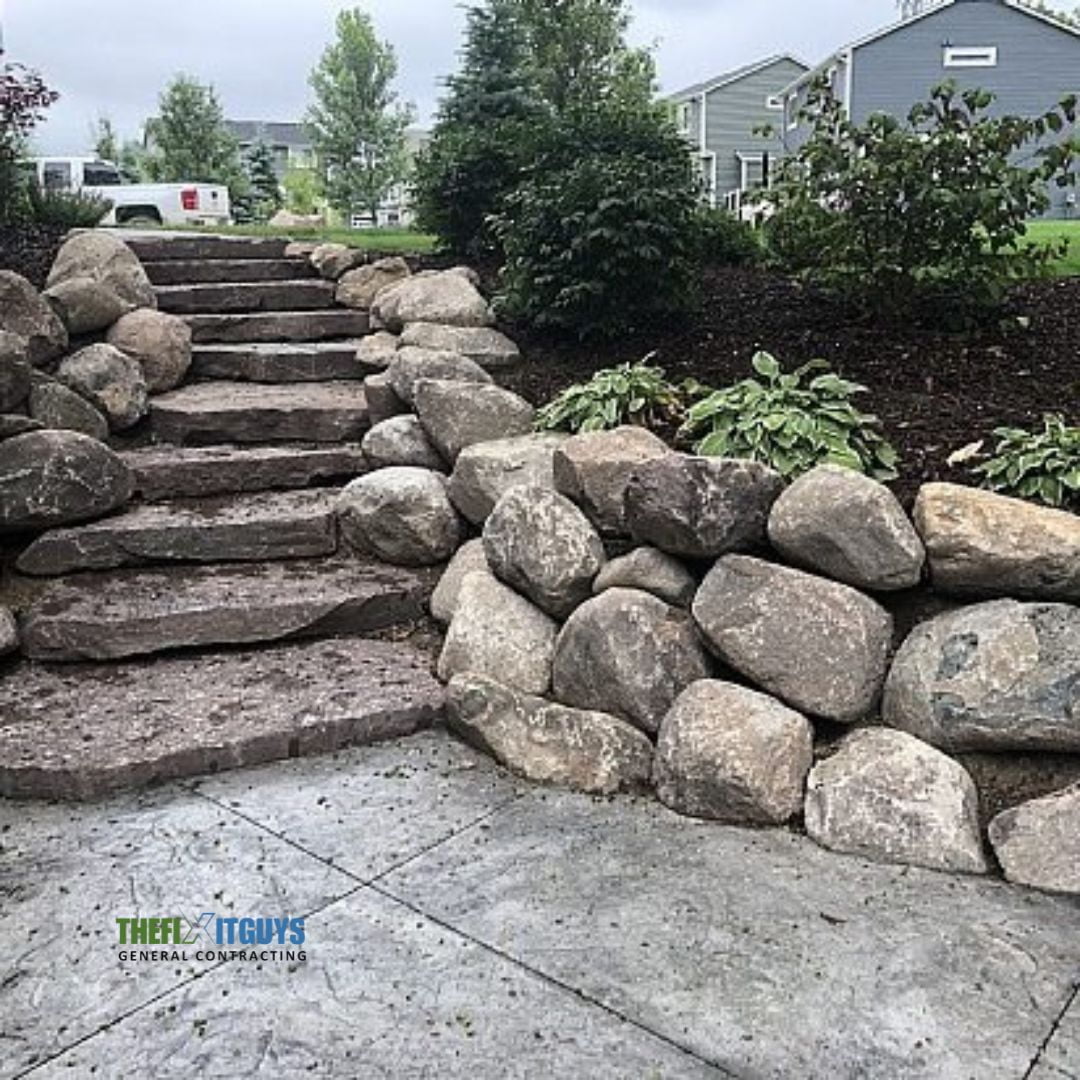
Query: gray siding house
point(1027, 58)
point(718, 118)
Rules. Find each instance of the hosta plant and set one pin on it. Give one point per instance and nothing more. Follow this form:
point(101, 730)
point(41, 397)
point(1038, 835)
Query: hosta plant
point(1042, 465)
point(791, 421)
point(629, 394)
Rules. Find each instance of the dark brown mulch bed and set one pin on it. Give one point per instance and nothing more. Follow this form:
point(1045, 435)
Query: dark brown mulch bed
point(30, 251)
point(934, 391)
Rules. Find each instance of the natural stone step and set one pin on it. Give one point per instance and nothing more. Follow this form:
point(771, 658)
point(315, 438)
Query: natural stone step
point(229, 297)
point(189, 247)
point(175, 472)
point(278, 362)
point(207, 271)
point(279, 326)
point(244, 528)
point(85, 731)
point(103, 616)
point(228, 412)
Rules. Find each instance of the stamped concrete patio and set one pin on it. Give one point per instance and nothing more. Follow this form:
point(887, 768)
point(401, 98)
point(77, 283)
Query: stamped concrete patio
point(463, 924)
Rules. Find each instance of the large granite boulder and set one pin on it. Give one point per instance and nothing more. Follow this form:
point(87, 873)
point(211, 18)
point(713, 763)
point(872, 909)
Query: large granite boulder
point(102, 257)
point(998, 676)
point(700, 507)
point(549, 743)
point(820, 646)
point(458, 415)
point(25, 313)
point(160, 342)
point(410, 366)
point(401, 440)
point(496, 632)
point(541, 544)
point(843, 525)
point(9, 632)
point(447, 298)
point(62, 409)
point(358, 288)
point(401, 515)
point(377, 350)
point(110, 380)
point(886, 796)
point(484, 472)
point(594, 469)
point(1038, 842)
point(627, 653)
point(52, 478)
point(468, 559)
point(331, 261)
point(86, 305)
point(14, 370)
point(732, 754)
point(492, 350)
point(988, 545)
point(651, 571)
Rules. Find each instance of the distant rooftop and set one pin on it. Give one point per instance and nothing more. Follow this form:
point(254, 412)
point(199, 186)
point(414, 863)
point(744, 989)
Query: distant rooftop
point(286, 133)
point(732, 76)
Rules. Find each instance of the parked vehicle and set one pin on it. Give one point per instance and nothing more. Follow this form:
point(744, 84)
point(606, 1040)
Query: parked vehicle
point(136, 204)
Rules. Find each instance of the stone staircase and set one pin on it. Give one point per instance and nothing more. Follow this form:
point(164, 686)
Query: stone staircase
point(157, 633)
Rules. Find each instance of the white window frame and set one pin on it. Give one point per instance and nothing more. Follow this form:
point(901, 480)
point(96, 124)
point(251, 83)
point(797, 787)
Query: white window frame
point(970, 56)
point(685, 117)
point(774, 102)
point(793, 111)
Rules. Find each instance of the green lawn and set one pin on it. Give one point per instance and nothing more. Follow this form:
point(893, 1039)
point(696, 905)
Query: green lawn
point(1054, 232)
point(383, 240)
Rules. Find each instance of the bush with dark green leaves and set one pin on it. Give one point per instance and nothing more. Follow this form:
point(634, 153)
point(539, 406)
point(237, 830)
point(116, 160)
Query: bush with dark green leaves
point(791, 421)
point(67, 209)
point(724, 240)
point(925, 215)
point(1040, 465)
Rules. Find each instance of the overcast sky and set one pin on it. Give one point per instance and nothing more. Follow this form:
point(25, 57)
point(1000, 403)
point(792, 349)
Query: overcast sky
point(112, 57)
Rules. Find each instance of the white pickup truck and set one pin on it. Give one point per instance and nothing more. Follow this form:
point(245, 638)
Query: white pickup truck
point(136, 204)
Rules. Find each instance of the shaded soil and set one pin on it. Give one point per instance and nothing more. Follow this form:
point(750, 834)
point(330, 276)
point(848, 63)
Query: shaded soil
point(30, 251)
point(935, 392)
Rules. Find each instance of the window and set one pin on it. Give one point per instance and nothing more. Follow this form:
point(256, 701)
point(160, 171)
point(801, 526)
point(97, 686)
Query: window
point(684, 118)
point(975, 56)
point(774, 101)
point(792, 112)
point(57, 175)
point(98, 174)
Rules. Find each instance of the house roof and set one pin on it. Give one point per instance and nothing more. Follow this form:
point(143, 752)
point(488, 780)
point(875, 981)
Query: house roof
point(295, 135)
point(732, 76)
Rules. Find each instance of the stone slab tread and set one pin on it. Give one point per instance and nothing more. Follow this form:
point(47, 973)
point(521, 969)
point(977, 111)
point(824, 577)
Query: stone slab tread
point(250, 296)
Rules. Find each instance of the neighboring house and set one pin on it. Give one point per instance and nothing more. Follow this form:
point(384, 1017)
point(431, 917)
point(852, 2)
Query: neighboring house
point(1029, 59)
point(719, 118)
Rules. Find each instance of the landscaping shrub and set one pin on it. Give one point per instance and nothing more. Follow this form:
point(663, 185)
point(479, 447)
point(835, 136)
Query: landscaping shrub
point(628, 394)
point(790, 423)
point(1041, 465)
point(724, 240)
point(904, 215)
point(66, 209)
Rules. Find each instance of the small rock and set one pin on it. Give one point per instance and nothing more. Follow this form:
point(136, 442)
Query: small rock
point(820, 646)
point(358, 288)
point(382, 402)
point(400, 441)
point(492, 350)
point(731, 754)
point(497, 633)
point(161, 344)
point(457, 415)
point(887, 796)
point(110, 380)
point(998, 676)
point(594, 469)
point(85, 305)
point(103, 257)
point(9, 633)
point(333, 260)
point(653, 572)
point(447, 298)
point(62, 409)
point(402, 515)
point(626, 652)
point(410, 366)
point(1038, 842)
point(25, 313)
point(14, 370)
point(547, 743)
point(468, 559)
point(541, 544)
point(377, 350)
point(983, 544)
point(700, 507)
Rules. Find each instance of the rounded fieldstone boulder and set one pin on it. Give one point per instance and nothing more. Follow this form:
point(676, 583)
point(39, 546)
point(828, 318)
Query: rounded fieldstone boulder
point(468, 559)
point(62, 409)
point(85, 305)
point(496, 632)
point(377, 350)
point(458, 415)
point(491, 349)
point(9, 633)
point(358, 288)
point(52, 478)
point(160, 342)
point(110, 380)
point(333, 260)
point(849, 527)
point(382, 402)
point(820, 646)
point(104, 258)
point(14, 370)
point(549, 743)
point(700, 507)
point(25, 313)
point(651, 571)
point(402, 515)
point(998, 676)
point(731, 754)
point(541, 544)
point(886, 796)
point(627, 653)
point(1038, 842)
point(446, 298)
point(12, 424)
point(410, 366)
point(400, 440)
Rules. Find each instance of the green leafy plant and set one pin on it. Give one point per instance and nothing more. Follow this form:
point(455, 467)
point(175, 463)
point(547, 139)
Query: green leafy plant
point(67, 209)
point(724, 240)
point(628, 394)
point(791, 421)
point(1042, 465)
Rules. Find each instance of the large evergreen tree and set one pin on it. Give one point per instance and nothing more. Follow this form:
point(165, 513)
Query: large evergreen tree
point(356, 123)
point(266, 195)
